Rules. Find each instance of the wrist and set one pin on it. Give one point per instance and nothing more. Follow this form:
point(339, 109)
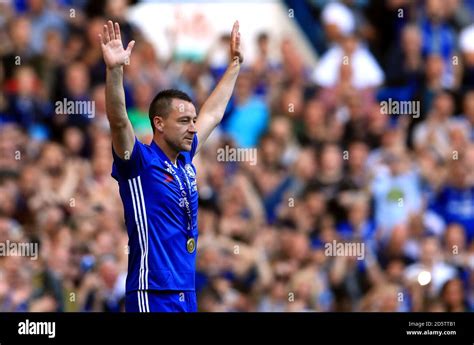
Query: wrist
point(234, 65)
point(115, 68)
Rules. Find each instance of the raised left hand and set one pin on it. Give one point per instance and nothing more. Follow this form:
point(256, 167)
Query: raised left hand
point(235, 52)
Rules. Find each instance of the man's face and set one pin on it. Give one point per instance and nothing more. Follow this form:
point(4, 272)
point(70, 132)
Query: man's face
point(179, 127)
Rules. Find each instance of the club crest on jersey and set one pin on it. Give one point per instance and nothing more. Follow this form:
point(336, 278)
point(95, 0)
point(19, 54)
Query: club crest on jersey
point(190, 171)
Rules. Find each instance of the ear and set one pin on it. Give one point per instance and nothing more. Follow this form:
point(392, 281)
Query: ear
point(159, 123)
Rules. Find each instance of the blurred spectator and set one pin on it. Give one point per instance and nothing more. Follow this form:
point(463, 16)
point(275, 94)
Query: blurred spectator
point(396, 191)
point(249, 118)
point(42, 20)
point(438, 37)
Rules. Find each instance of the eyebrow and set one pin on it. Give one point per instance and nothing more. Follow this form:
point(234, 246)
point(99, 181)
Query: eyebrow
point(185, 115)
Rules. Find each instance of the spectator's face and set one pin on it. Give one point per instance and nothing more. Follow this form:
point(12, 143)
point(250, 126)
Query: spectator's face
point(271, 150)
point(94, 28)
point(395, 269)
point(397, 163)
point(458, 138)
point(191, 71)
point(331, 159)
point(209, 260)
point(20, 32)
point(29, 180)
point(73, 140)
point(206, 221)
point(52, 160)
point(389, 300)
point(142, 95)
point(455, 238)
point(4, 229)
point(292, 101)
point(411, 40)
point(263, 45)
point(469, 157)
point(178, 128)
point(332, 31)
point(314, 114)
point(453, 293)
point(355, 105)
point(391, 138)
point(105, 243)
point(53, 44)
point(429, 250)
point(116, 8)
point(244, 87)
point(299, 247)
point(7, 198)
point(358, 154)
point(377, 120)
point(74, 46)
point(434, 67)
point(315, 203)
point(101, 164)
point(278, 291)
point(25, 77)
point(36, 6)
point(305, 165)
point(444, 105)
point(435, 9)
point(108, 272)
point(148, 53)
point(398, 239)
point(458, 173)
point(281, 129)
point(349, 44)
point(15, 271)
point(468, 105)
point(358, 212)
point(77, 80)
point(469, 58)
point(98, 96)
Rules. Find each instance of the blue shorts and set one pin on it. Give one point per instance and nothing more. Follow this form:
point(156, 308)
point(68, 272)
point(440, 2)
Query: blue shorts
point(161, 301)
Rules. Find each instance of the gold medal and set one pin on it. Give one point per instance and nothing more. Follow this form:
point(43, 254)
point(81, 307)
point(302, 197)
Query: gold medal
point(191, 245)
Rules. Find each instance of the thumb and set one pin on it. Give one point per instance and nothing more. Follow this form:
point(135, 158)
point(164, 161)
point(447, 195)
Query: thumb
point(130, 46)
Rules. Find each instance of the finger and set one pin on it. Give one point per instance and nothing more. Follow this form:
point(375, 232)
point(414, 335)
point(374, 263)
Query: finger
point(106, 35)
point(117, 32)
point(130, 46)
point(111, 30)
point(101, 40)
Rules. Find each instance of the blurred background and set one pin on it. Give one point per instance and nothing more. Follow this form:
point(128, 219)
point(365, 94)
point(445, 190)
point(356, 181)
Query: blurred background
point(332, 164)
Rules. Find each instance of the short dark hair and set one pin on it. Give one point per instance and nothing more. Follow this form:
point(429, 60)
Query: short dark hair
point(161, 104)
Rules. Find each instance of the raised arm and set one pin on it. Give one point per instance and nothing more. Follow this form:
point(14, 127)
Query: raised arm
point(115, 56)
point(213, 109)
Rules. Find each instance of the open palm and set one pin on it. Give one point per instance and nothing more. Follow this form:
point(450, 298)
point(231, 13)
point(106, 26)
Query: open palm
point(112, 48)
point(235, 43)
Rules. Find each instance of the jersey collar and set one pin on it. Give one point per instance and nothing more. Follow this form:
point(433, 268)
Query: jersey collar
point(163, 155)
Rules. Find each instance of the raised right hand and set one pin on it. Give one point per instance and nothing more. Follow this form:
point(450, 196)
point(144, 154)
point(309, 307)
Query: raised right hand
point(112, 48)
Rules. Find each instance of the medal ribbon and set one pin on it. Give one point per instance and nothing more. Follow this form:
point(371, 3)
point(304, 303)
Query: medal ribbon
point(184, 194)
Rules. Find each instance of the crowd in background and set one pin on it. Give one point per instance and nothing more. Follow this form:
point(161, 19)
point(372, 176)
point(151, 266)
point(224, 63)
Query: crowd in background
point(332, 165)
